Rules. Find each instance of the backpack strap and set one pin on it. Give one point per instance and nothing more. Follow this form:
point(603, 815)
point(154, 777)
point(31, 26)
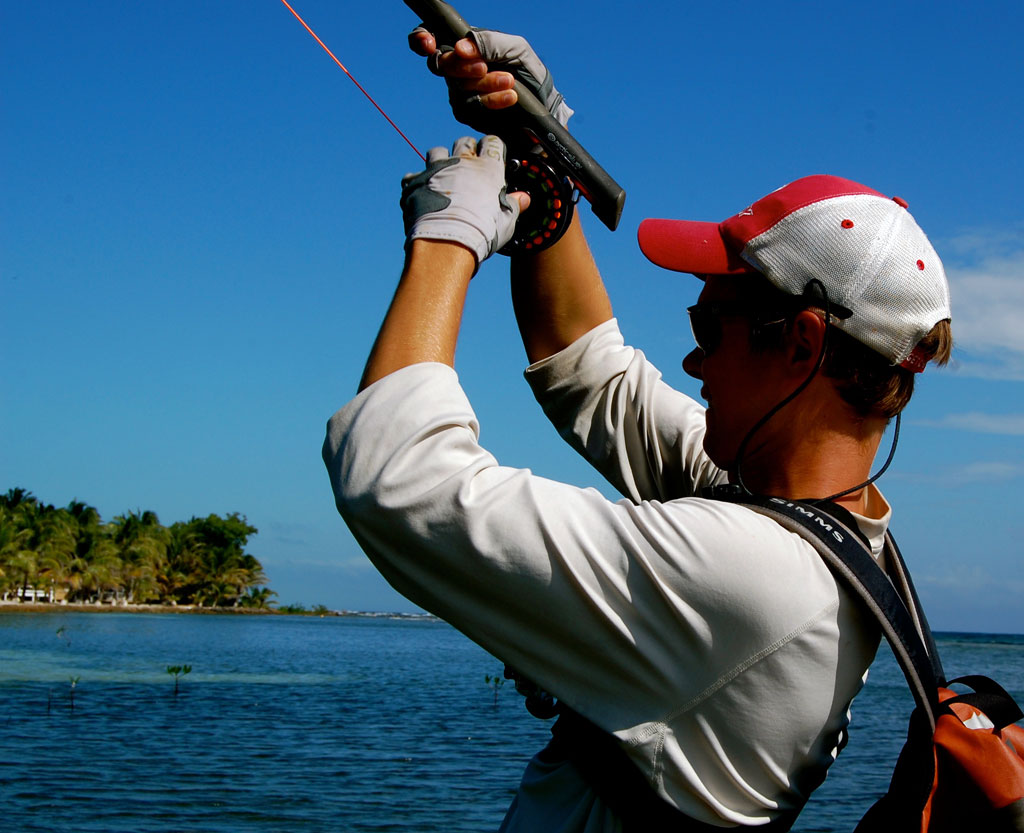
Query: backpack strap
point(900, 577)
point(990, 698)
point(851, 561)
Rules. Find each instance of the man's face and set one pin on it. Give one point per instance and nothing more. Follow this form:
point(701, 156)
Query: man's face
point(740, 384)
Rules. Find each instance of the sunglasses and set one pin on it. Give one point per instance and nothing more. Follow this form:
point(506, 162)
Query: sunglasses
point(706, 320)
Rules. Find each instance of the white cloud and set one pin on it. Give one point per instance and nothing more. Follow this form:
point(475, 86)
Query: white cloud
point(980, 423)
point(953, 476)
point(966, 597)
point(984, 471)
point(1007, 367)
point(986, 277)
point(969, 578)
point(357, 563)
point(975, 244)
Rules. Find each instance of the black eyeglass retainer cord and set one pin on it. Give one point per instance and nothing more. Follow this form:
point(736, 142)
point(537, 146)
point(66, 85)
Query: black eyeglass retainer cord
point(799, 389)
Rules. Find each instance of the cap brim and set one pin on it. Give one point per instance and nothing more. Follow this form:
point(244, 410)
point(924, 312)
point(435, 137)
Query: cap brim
point(685, 246)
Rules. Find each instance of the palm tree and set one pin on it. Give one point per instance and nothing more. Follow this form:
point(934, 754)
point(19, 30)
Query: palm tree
point(14, 538)
point(226, 570)
point(254, 574)
point(142, 545)
point(180, 575)
point(16, 497)
point(54, 545)
point(20, 526)
point(36, 542)
point(258, 598)
point(24, 568)
point(96, 564)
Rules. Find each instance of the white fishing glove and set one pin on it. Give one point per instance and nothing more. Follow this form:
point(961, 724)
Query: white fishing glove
point(510, 53)
point(461, 198)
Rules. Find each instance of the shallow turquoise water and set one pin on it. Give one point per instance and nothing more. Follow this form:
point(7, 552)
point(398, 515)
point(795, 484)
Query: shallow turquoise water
point(308, 724)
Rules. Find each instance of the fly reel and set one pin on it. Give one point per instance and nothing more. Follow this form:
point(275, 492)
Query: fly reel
point(552, 198)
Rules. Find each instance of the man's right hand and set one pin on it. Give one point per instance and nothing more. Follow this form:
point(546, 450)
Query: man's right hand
point(557, 293)
point(481, 71)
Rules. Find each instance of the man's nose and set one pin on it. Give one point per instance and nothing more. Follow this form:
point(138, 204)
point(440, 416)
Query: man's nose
point(692, 363)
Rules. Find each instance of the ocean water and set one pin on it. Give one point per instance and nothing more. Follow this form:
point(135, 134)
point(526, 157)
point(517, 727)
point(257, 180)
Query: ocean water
point(290, 723)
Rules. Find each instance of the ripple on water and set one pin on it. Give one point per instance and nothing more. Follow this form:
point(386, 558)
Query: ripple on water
point(305, 724)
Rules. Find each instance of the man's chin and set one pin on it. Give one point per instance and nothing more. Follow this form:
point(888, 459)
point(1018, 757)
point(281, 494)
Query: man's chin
point(723, 458)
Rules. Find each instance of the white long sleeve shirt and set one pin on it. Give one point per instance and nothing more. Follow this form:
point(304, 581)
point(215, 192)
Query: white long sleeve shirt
point(715, 645)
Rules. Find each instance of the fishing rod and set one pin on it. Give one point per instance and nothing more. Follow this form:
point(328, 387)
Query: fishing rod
point(545, 160)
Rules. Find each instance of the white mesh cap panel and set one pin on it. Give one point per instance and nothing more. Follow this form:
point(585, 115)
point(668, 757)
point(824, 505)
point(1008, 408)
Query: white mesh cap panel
point(868, 252)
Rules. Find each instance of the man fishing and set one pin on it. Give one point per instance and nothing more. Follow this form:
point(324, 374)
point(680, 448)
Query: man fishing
point(705, 657)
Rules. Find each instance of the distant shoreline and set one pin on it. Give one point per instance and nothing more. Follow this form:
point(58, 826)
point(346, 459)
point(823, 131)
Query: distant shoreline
point(83, 607)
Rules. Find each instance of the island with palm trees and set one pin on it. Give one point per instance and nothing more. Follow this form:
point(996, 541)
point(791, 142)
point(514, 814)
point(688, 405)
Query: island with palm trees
point(68, 555)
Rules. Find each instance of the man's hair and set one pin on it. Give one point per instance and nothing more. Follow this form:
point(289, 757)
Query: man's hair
point(865, 379)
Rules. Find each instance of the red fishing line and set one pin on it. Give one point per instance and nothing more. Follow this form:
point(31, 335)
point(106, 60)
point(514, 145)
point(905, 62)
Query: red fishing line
point(352, 77)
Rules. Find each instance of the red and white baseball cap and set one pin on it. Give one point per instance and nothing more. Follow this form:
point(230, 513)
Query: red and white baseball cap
point(865, 248)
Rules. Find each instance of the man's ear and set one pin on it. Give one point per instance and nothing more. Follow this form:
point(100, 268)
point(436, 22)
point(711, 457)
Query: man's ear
point(805, 339)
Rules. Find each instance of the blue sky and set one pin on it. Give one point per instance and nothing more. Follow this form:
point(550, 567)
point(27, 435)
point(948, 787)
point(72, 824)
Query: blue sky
point(199, 235)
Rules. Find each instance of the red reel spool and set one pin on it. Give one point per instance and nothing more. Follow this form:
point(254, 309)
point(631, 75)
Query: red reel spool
point(552, 199)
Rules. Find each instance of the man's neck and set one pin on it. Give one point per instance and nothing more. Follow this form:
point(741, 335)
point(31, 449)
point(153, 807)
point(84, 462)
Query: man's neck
point(816, 464)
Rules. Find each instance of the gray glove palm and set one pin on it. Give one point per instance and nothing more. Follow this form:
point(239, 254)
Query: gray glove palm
point(460, 198)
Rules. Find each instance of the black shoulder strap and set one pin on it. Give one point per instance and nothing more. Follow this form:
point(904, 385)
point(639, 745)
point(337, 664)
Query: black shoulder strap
point(900, 577)
point(901, 618)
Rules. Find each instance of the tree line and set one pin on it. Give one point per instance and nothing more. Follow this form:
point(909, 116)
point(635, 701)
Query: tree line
point(69, 553)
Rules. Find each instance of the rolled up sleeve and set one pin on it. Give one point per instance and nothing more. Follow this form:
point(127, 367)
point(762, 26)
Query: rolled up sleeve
point(610, 404)
point(533, 570)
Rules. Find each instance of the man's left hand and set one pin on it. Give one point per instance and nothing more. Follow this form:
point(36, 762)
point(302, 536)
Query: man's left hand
point(460, 198)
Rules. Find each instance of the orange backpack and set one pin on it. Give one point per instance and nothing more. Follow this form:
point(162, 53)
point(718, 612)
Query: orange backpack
point(967, 774)
point(962, 766)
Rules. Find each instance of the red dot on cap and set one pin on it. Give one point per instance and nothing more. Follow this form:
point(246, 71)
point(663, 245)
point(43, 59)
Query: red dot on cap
point(847, 224)
point(902, 203)
point(920, 265)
